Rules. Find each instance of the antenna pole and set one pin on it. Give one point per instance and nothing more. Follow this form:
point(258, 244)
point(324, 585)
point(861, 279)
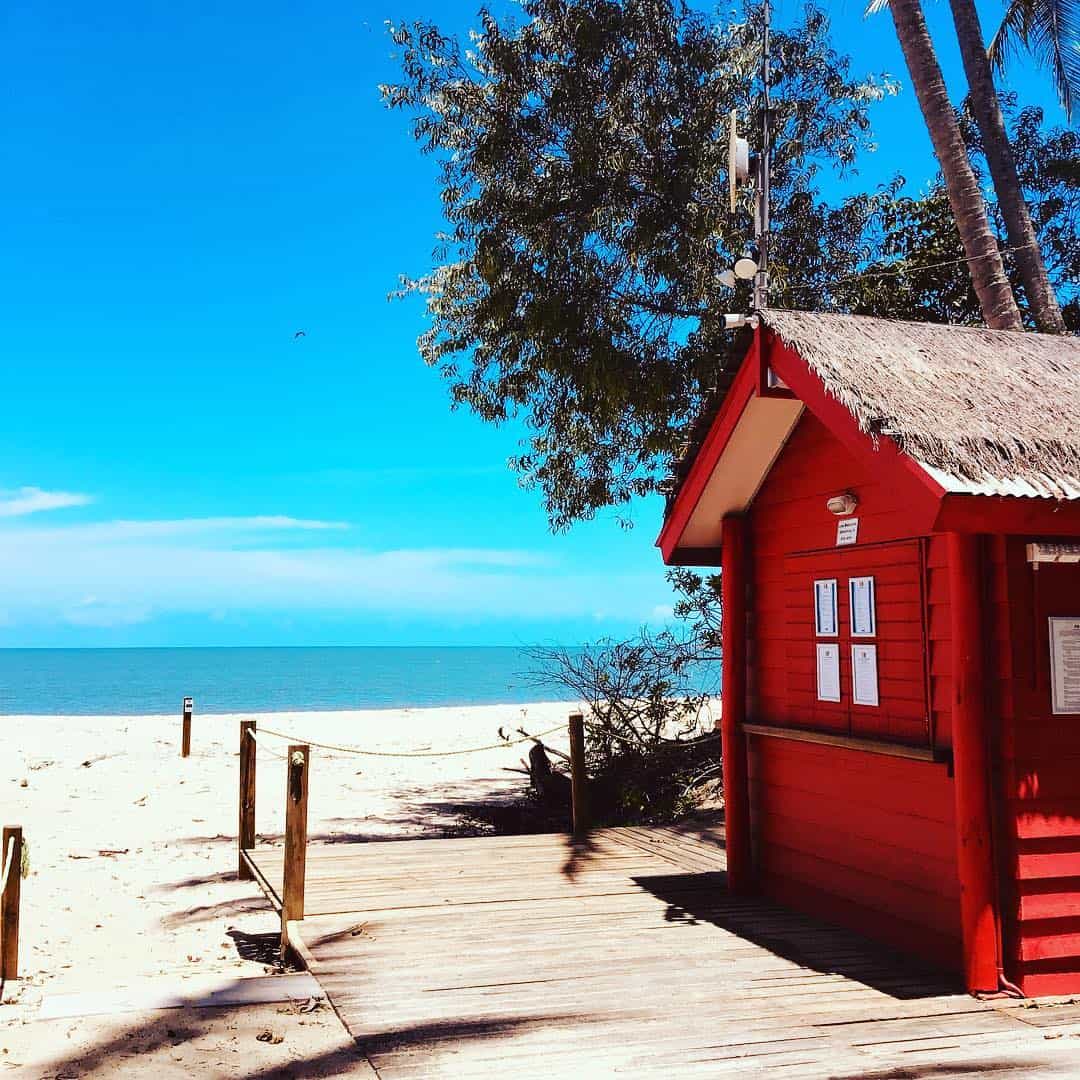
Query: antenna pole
point(761, 216)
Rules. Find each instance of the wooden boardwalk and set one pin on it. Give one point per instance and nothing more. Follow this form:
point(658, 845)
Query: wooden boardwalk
point(531, 956)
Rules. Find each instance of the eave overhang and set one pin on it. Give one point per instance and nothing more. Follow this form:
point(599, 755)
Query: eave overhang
point(750, 429)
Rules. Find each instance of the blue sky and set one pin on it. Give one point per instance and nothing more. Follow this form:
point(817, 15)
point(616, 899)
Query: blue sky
point(186, 185)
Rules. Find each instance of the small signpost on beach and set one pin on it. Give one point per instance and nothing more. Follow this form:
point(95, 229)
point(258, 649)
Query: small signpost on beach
point(185, 738)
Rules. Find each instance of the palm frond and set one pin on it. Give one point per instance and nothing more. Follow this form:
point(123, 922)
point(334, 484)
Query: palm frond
point(1050, 31)
point(875, 6)
point(1012, 31)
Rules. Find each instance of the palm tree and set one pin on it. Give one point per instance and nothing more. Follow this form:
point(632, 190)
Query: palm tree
point(999, 157)
point(1050, 30)
point(968, 206)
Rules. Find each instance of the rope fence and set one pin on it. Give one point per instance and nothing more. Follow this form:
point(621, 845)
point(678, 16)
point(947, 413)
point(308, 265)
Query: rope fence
point(360, 752)
point(671, 744)
point(289, 896)
point(254, 735)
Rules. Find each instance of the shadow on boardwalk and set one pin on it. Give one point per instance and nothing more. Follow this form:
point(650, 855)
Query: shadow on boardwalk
point(703, 898)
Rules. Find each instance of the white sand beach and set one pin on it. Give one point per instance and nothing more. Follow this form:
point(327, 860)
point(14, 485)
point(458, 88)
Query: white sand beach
point(133, 882)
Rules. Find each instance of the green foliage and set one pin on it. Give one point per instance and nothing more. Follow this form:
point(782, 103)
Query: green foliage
point(583, 159)
point(582, 164)
point(1050, 31)
point(650, 753)
point(917, 269)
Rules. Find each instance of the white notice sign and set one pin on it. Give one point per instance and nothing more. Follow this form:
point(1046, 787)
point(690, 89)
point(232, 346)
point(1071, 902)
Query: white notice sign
point(825, 617)
point(1065, 664)
point(828, 672)
point(864, 684)
point(847, 531)
point(863, 615)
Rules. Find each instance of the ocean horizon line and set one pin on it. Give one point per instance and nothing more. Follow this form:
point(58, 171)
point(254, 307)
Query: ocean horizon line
point(328, 712)
point(151, 681)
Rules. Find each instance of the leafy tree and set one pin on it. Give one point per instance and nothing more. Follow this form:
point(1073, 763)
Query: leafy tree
point(649, 752)
point(985, 109)
point(582, 159)
point(916, 269)
point(583, 175)
point(985, 264)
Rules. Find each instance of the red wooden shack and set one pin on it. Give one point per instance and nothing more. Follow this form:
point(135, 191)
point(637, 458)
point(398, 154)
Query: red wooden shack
point(896, 511)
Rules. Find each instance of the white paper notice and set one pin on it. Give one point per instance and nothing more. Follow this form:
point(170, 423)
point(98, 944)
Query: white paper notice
point(1065, 664)
point(863, 616)
point(864, 685)
point(825, 618)
point(847, 531)
point(828, 672)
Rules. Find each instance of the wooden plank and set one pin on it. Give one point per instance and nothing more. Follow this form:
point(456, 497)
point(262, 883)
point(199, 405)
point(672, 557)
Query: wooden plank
point(250, 860)
point(477, 983)
point(823, 738)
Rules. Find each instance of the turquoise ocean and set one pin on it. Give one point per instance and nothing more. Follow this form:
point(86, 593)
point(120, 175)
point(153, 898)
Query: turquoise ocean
point(135, 681)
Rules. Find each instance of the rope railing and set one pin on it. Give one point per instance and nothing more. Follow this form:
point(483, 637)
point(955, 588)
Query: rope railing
point(360, 752)
point(264, 748)
point(290, 899)
point(667, 744)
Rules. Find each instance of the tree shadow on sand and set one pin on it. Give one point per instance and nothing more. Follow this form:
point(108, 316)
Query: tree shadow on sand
point(132, 1046)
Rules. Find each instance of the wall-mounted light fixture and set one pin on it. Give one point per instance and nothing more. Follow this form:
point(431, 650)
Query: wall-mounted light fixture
point(842, 504)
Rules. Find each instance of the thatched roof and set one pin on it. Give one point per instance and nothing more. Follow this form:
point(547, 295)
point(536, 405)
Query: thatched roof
point(983, 411)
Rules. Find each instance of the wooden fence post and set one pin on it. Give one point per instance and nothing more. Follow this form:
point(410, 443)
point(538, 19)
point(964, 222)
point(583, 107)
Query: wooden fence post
point(246, 831)
point(579, 793)
point(9, 903)
point(296, 801)
point(185, 738)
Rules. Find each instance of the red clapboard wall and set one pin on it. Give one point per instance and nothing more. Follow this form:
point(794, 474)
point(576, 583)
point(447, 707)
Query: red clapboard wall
point(845, 834)
point(1040, 774)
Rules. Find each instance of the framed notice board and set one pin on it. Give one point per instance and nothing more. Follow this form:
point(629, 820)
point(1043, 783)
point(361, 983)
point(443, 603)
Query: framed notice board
point(1064, 664)
point(860, 668)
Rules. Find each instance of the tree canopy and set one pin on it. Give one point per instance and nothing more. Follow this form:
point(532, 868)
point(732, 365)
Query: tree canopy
point(583, 162)
point(917, 268)
point(583, 174)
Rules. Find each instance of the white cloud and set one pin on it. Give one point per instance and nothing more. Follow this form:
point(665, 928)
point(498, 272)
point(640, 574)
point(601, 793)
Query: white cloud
point(122, 572)
point(122, 531)
point(32, 500)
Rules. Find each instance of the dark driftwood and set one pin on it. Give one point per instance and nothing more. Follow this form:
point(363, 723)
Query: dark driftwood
point(553, 788)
